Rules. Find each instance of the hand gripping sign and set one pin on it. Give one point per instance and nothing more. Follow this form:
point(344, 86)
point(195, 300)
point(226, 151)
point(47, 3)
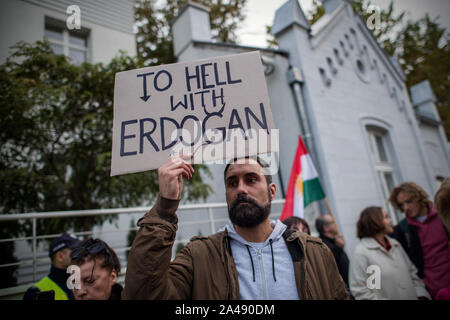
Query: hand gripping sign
point(214, 109)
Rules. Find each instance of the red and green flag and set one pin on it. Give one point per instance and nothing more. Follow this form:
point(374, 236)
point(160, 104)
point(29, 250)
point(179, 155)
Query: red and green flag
point(304, 185)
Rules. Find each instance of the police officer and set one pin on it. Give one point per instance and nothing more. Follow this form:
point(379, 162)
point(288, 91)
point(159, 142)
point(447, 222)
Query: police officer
point(56, 280)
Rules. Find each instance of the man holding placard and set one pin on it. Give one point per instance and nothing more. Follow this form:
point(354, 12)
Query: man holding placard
point(253, 258)
point(212, 109)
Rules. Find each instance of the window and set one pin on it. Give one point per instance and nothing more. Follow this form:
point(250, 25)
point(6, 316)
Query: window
point(333, 69)
point(383, 161)
point(72, 44)
point(338, 56)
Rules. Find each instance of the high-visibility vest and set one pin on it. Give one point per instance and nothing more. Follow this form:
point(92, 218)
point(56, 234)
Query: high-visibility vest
point(47, 284)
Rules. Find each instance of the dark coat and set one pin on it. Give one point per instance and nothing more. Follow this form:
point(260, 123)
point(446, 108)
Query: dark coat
point(408, 237)
point(340, 256)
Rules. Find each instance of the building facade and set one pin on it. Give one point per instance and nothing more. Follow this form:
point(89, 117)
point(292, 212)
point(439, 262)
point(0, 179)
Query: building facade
point(105, 27)
point(331, 83)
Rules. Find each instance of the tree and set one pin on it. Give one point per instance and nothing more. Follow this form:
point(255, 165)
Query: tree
point(390, 26)
point(154, 38)
point(423, 52)
point(421, 47)
point(384, 33)
point(56, 133)
point(316, 12)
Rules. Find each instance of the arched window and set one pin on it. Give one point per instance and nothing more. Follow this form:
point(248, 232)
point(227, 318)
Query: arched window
point(333, 69)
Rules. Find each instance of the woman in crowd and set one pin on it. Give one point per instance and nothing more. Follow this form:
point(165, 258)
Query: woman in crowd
point(99, 269)
point(380, 268)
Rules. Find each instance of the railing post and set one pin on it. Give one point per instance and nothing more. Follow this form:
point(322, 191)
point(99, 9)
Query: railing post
point(34, 249)
point(211, 220)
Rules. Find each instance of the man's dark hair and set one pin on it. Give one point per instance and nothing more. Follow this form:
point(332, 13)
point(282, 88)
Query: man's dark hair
point(320, 223)
point(292, 221)
point(261, 162)
point(370, 222)
point(82, 254)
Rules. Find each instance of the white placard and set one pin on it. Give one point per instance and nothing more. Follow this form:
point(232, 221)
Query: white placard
point(215, 109)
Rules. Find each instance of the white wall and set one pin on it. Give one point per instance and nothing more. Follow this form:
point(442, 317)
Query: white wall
point(341, 110)
point(24, 21)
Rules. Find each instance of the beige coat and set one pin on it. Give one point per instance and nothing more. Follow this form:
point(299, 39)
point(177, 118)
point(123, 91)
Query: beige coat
point(398, 278)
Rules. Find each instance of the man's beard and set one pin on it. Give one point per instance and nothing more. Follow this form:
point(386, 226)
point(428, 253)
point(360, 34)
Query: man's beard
point(249, 214)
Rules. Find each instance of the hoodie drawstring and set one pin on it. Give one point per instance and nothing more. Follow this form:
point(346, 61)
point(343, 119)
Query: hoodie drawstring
point(251, 259)
point(273, 260)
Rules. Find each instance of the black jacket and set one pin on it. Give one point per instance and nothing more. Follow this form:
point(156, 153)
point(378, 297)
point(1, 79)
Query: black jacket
point(408, 237)
point(340, 256)
point(116, 292)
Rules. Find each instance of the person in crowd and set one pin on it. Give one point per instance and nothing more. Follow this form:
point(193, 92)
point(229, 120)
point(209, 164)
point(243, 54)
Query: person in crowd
point(423, 235)
point(298, 224)
point(380, 268)
point(99, 269)
point(328, 231)
point(442, 203)
point(251, 258)
point(54, 285)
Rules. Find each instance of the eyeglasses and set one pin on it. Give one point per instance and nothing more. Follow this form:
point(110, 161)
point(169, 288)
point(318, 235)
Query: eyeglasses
point(91, 247)
point(88, 248)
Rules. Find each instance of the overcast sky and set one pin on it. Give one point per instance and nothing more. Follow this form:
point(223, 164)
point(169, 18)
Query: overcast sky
point(260, 13)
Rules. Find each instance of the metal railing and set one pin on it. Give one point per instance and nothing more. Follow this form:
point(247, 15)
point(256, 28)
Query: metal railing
point(34, 217)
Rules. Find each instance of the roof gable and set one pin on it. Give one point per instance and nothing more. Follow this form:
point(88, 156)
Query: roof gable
point(287, 15)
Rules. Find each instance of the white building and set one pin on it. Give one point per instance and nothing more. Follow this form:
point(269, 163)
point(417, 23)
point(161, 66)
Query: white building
point(333, 84)
point(106, 27)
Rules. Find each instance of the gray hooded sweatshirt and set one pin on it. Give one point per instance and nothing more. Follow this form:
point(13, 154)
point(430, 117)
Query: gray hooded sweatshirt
point(265, 269)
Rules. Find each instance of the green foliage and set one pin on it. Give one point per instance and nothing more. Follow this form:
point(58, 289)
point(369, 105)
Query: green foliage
point(154, 38)
point(424, 53)
point(386, 32)
point(272, 41)
point(56, 127)
point(56, 134)
point(422, 50)
point(316, 12)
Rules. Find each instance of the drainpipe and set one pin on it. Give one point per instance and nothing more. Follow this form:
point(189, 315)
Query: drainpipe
point(295, 80)
point(269, 67)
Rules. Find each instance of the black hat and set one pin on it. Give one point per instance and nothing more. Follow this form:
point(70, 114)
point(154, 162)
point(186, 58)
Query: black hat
point(62, 242)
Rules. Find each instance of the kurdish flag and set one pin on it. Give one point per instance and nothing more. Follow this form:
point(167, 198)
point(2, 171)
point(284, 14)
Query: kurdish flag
point(304, 186)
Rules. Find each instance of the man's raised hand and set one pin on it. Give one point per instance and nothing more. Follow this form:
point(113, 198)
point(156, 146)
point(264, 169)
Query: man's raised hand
point(170, 176)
